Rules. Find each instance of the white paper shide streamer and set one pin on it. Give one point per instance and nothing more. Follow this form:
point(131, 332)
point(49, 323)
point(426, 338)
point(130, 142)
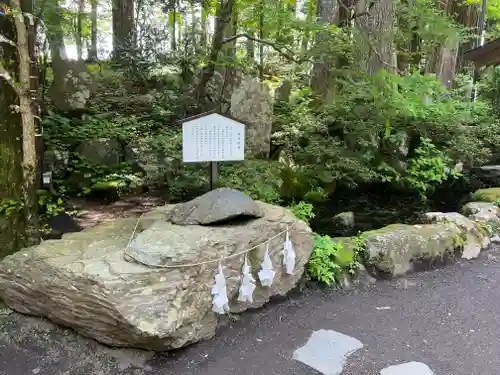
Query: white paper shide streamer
point(288, 255)
point(266, 274)
point(247, 285)
point(220, 302)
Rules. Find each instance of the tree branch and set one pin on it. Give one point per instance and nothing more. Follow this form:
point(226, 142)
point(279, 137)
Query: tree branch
point(282, 50)
point(3, 39)
point(4, 74)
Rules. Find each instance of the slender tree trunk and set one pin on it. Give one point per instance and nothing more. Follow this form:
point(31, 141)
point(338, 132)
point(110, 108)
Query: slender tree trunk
point(173, 25)
point(55, 33)
point(123, 28)
point(261, 36)
point(92, 56)
point(204, 20)
point(79, 28)
point(310, 8)
point(28, 125)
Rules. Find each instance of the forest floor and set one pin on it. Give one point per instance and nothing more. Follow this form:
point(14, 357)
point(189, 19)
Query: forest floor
point(87, 213)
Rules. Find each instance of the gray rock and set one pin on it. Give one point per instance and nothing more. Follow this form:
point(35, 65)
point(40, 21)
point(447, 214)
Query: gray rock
point(105, 151)
point(481, 211)
point(397, 249)
point(83, 281)
point(215, 206)
point(72, 85)
point(344, 223)
point(488, 174)
point(252, 103)
point(487, 215)
point(475, 237)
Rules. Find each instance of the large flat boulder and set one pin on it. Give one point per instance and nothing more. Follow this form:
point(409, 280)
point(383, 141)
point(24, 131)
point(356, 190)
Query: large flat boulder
point(215, 206)
point(85, 282)
point(398, 249)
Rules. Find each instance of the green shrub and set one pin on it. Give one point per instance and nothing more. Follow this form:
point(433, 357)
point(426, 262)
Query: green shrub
point(429, 168)
point(332, 260)
point(260, 179)
point(303, 211)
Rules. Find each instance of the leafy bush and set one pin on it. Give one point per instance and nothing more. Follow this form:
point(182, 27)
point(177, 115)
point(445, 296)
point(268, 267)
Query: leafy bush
point(429, 167)
point(260, 179)
point(371, 132)
point(303, 211)
point(332, 260)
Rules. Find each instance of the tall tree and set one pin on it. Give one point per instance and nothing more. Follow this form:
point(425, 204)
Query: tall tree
point(321, 80)
point(79, 28)
point(55, 34)
point(123, 28)
point(375, 35)
point(92, 53)
point(17, 126)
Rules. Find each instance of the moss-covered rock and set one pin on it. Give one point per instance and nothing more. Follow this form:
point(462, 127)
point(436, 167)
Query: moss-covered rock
point(486, 216)
point(490, 195)
point(476, 238)
point(398, 248)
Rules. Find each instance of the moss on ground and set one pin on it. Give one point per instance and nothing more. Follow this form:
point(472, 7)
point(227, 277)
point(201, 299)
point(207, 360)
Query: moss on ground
point(491, 195)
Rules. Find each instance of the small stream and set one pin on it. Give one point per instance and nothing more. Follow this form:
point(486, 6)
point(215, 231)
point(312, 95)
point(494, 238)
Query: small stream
point(376, 206)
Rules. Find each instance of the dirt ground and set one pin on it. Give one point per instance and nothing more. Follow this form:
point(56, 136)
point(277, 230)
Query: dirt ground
point(84, 213)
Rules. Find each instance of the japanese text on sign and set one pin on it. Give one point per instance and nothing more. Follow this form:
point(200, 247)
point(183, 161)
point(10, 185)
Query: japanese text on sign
point(213, 137)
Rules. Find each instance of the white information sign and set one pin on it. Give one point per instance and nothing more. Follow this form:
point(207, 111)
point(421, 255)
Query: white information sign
point(212, 137)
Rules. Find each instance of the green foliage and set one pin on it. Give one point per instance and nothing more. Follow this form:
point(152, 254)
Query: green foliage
point(259, 179)
point(429, 168)
point(303, 211)
point(332, 259)
point(9, 207)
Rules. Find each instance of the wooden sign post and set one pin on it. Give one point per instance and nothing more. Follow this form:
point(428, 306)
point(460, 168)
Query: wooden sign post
point(212, 137)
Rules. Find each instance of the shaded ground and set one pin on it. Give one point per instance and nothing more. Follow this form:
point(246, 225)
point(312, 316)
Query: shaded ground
point(90, 213)
point(448, 319)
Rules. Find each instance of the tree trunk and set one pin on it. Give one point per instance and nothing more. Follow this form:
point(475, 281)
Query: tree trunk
point(261, 37)
point(92, 55)
point(443, 59)
point(205, 7)
point(223, 18)
point(18, 159)
point(310, 7)
point(55, 33)
point(375, 35)
point(79, 29)
point(12, 224)
point(29, 130)
point(123, 28)
point(322, 76)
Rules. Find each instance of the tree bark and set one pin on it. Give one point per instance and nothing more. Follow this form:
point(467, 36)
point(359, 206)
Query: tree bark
point(79, 29)
point(55, 34)
point(29, 162)
point(92, 54)
point(322, 76)
point(12, 224)
point(123, 28)
point(223, 18)
point(18, 159)
point(375, 35)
